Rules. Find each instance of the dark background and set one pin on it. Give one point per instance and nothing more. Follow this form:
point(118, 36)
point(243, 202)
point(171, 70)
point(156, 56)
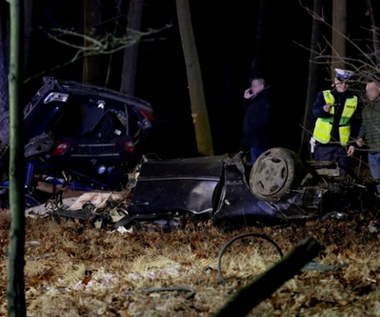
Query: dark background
point(225, 37)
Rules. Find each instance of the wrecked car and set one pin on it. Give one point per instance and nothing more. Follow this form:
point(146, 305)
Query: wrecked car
point(79, 135)
point(278, 188)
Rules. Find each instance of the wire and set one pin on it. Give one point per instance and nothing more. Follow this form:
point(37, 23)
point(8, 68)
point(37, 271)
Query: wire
point(190, 290)
point(241, 236)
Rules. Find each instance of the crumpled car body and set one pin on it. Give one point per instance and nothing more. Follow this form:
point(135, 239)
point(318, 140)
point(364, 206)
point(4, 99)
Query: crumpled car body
point(92, 133)
point(219, 188)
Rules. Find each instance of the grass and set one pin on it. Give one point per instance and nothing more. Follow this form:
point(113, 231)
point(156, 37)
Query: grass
point(73, 269)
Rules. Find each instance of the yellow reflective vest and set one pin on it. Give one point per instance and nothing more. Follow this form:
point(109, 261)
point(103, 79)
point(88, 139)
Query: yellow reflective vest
point(323, 126)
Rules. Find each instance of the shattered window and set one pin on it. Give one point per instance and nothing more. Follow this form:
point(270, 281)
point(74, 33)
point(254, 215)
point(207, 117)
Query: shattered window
point(89, 117)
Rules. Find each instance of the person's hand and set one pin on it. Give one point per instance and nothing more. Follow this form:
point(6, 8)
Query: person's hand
point(327, 108)
point(360, 142)
point(248, 93)
point(351, 150)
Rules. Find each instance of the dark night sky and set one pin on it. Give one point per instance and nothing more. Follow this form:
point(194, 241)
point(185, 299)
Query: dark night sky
point(225, 36)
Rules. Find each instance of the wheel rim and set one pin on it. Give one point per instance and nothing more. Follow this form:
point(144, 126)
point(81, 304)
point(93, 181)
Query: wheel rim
point(271, 175)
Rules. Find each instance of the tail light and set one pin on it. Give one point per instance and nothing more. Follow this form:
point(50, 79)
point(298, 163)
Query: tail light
point(148, 114)
point(129, 147)
point(61, 149)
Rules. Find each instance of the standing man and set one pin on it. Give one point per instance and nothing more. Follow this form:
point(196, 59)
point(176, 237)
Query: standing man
point(369, 134)
point(338, 120)
point(257, 118)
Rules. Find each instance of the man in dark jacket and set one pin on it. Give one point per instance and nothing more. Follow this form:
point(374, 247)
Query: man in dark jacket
point(369, 134)
point(337, 124)
point(257, 118)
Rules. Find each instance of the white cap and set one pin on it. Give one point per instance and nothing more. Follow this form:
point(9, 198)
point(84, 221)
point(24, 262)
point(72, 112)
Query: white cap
point(342, 74)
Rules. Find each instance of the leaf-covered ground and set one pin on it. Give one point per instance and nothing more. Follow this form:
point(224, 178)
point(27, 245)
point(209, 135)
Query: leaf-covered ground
point(73, 269)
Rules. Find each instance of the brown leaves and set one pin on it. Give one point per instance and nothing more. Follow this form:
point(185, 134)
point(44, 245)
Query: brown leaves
point(77, 270)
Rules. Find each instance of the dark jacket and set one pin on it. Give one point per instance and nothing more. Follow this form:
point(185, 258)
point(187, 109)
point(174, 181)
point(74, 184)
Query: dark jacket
point(258, 120)
point(340, 99)
point(370, 129)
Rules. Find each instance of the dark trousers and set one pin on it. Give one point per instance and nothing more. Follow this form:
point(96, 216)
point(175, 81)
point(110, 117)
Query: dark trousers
point(333, 153)
point(374, 165)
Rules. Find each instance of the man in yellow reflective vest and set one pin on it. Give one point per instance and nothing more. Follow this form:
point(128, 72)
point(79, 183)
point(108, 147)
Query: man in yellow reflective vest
point(337, 124)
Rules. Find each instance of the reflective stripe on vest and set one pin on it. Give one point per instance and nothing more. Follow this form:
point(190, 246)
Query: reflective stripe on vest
point(323, 126)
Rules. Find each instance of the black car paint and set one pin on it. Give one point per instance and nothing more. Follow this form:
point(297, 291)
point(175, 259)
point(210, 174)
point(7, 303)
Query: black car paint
point(216, 188)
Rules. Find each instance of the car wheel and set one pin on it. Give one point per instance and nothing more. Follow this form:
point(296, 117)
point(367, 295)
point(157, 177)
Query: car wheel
point(275, 172)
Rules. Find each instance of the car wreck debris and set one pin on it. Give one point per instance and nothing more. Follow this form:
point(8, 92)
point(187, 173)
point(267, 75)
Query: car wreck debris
point(278, 188)
point(243, 236)
point(83, 138)
point(92, 134)
point(263, 286)
point(222, 189)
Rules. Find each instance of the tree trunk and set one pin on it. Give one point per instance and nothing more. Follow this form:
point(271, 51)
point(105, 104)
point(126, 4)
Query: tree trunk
point(93, 65)
point(308, 118)
point(339, 25)
point(374, 31)
point(257, 66)
point(194, 78)
point(16, 262)
point(4, 57)
point(128, 76)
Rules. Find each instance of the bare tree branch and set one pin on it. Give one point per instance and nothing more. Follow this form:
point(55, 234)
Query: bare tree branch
point(366, 67)
point(375, 34)
point(108, 44)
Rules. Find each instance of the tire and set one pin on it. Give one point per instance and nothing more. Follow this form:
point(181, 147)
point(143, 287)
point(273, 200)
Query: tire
point(274, 173)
